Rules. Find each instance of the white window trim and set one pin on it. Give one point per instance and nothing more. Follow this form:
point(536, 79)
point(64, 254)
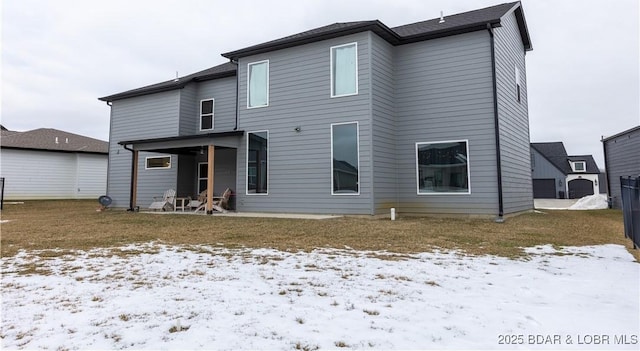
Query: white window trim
point(213, 113)
point(146, 162)
point(584, 166)
point(331, 69)
point(418, 169)
point(246, 175)
point(358, 153)
point(249, 77)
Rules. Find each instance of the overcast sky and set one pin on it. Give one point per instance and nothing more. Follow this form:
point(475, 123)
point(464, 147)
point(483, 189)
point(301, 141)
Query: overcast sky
point(59, 56)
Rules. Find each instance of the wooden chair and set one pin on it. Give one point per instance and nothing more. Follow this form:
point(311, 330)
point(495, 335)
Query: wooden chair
point(165, 203)
point(220, 203)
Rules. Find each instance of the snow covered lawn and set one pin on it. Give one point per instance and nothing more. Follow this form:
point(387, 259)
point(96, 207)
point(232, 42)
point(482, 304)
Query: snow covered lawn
point(155, 296)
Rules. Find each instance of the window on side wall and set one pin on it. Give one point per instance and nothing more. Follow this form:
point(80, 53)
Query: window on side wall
point(442, 167)
point(257, 163)
point(344, 70)
point(158, 162)
point(345, 160)
point(206, 114)
point(518, 84)
point(258, 84)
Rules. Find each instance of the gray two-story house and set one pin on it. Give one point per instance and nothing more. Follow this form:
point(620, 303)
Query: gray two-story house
point(350, 118)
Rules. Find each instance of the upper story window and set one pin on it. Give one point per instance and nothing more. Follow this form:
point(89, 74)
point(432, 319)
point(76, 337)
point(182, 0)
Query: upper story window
point(344, 70)
point(579, 166)
point(157, 162)
point(206, 114)
point(258, 84)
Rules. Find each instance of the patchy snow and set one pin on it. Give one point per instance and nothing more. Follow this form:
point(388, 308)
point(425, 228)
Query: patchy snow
point(591, 202)
point(155, 296)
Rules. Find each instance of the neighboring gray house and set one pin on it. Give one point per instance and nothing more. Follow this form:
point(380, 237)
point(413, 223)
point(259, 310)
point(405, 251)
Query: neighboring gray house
point(350, 118)
point(621, 159)
point(557, 175)
point(52, 164)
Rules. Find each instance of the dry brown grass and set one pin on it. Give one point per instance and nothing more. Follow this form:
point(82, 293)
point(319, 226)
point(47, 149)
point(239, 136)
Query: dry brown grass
point(71, 225)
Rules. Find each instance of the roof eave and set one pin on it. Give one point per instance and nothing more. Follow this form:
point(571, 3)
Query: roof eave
point(54, 150)
point(450, 31)
point(522, 27)
point(179, 85)
point(374, 26)
point(182, 137)
point(126, 95)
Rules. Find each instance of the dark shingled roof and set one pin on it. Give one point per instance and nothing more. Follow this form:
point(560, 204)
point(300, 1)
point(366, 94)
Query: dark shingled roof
point(221, 71)
point(555, 153)
point(425, 30)
point(592, 167)
point(45, 139)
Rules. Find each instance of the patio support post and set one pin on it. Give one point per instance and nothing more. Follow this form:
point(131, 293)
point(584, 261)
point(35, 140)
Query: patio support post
point(210, 172)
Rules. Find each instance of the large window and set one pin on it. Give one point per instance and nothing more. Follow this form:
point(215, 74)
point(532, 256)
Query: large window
point(257, 162)
point(443, 167)
point(206, 114)
point(157, 162)
point(344, 70)
point(345, 177)
point(258, 84)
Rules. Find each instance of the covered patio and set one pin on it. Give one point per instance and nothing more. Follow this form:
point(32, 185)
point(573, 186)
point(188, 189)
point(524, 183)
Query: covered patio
point(204, 161)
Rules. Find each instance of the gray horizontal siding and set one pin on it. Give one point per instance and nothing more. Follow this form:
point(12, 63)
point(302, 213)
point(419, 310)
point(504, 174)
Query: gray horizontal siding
point(189, 110)
point(444, 92)
point(543, 169)
point(300, 163)
point(513, 118)
point(383, 125)
point(224, 92)
point(623, 159)
point(148, 116)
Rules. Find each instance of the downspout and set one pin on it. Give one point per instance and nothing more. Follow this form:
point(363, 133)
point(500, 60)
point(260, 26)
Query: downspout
point(235, 62)
point(133, 164)
point(500, 218)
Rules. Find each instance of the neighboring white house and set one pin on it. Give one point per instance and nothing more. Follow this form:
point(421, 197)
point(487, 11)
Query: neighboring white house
point(557, 175)
point(52, 164)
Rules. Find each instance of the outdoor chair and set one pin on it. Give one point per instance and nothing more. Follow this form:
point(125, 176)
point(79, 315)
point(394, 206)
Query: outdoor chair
point(165, 203)
point(220, 203)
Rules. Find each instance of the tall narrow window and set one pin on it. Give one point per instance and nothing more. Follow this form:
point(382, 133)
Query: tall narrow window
point(345, 162)
point(203, 175)
point(344, 70)
point(206, 114)
point(258, 84)
point(443, 167)
point(517, 77)
point(257, 162)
